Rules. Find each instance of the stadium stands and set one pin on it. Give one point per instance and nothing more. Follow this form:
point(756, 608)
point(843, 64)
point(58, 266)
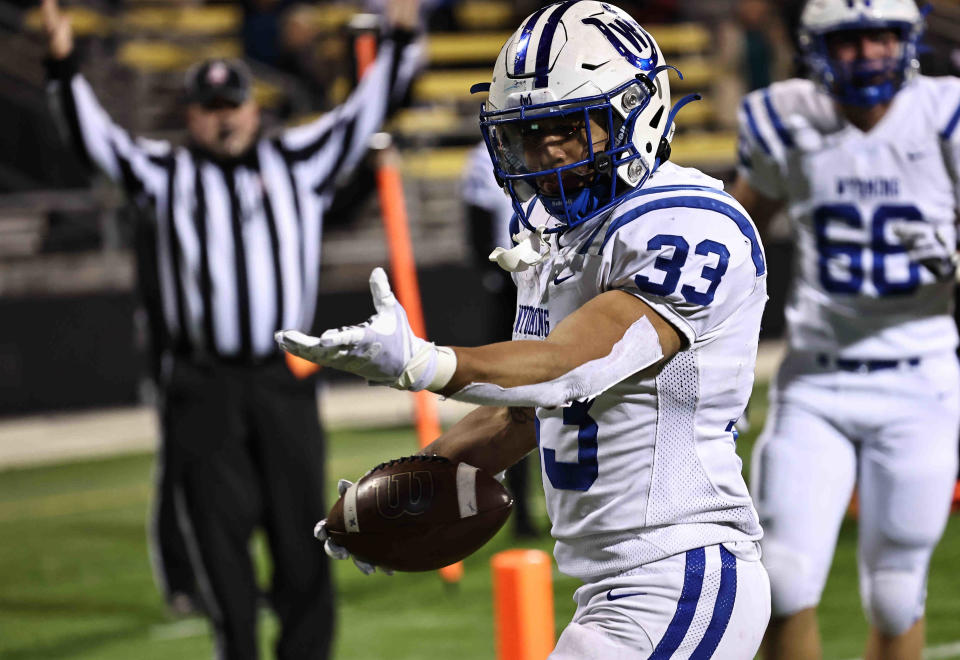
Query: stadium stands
point(136, 52)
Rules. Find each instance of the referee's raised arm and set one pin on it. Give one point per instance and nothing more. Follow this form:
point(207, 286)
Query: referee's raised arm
point(335, 142)
point(137, 164)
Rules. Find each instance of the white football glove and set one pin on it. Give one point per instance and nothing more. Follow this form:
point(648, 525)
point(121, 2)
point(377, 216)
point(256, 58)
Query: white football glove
point(926, 245)
point(383, 349)
point(337, 551)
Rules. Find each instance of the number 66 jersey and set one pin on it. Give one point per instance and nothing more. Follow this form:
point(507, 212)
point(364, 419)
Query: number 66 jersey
point(855, 293)
point(648, 468)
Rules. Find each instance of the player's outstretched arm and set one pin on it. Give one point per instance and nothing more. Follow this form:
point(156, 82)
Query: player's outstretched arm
point(612, 337)
point(590, 334)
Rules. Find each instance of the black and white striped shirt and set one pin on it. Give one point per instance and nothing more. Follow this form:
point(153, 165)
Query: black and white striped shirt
point(238, 245)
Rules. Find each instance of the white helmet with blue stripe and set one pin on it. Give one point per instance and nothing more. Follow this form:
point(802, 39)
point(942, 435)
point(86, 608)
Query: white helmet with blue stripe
point(862, 83)
point(582, 62)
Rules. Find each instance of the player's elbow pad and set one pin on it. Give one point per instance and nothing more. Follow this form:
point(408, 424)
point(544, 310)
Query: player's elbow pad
point(637, 349)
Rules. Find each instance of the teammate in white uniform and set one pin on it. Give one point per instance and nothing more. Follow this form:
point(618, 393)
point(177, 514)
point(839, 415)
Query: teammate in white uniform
point(640, 290)
point(864, 160)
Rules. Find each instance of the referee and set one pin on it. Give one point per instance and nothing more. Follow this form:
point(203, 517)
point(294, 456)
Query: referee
point(239, 218)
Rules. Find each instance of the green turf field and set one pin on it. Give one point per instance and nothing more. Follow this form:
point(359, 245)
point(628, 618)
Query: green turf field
point(75, 577)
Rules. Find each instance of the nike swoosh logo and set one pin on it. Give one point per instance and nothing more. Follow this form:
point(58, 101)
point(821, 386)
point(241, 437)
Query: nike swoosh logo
point(612, 596)
point(558, 280)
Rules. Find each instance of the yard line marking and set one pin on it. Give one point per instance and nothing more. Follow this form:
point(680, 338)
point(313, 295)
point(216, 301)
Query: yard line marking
point(194, 627)
point(939, 652)
point(942, 651)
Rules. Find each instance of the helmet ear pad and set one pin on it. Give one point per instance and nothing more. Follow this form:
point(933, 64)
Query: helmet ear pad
point(645, 123)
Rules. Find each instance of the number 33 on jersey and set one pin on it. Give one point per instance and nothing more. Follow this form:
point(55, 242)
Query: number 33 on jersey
point(648, 464)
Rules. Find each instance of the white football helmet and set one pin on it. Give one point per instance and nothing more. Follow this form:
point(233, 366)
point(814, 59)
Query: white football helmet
point(573, 62)
point(863, 83)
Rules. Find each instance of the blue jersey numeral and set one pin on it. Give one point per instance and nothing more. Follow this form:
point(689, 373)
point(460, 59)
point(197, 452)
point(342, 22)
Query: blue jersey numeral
point(672, 268)
point(582, 474)
point(832, 253)
point(710, 273)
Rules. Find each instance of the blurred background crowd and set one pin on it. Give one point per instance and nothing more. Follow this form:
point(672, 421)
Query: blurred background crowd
point(73, 330)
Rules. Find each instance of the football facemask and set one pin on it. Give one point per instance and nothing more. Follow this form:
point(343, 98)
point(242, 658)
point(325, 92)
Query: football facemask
point(864, 82)
point(579, 111)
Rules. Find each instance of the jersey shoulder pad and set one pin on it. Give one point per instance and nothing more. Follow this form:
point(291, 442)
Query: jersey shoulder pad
point(938, 99)
point(779, 117)
point(693, 255)
point(693, 213)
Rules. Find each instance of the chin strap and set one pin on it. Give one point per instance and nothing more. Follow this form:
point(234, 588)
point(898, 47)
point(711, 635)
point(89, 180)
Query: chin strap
point(524, 254)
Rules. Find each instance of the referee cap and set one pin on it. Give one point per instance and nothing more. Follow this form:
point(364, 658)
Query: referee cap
point(217, 81)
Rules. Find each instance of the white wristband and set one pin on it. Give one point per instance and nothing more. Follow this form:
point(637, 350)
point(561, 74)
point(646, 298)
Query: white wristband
point(446, 366)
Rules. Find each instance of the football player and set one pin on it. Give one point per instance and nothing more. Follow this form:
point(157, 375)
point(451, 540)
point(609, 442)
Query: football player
point(863, 157)
point(640, 289)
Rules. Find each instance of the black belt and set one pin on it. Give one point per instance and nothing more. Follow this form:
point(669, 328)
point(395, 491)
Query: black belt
point(864, 366)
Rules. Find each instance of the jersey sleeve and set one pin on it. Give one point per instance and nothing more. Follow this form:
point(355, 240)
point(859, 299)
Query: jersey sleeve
point(762, 143)
point(331, 146)
point(694, 266)
point(96, 138)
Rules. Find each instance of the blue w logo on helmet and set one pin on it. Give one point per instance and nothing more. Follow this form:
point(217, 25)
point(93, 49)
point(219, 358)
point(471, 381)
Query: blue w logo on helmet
point(642, 54)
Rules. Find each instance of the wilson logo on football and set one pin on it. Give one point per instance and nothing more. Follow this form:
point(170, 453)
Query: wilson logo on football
point(405, 493)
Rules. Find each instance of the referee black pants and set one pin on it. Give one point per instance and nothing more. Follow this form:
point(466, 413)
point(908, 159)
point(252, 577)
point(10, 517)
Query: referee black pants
point(246, 448)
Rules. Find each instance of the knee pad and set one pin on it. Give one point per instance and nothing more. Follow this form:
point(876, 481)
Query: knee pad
point(794, 584)
point(893, 599)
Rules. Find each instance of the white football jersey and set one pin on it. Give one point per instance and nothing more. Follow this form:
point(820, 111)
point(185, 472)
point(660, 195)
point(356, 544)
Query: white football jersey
point(648, 469)
point(855, 293)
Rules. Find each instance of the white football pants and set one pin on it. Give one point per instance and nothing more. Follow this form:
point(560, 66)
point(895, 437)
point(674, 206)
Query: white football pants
point(892, 431)
point(711, 602)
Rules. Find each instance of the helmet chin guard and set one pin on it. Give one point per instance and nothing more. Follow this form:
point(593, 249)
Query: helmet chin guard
point(586, 74)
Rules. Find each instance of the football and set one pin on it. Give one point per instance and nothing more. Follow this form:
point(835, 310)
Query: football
point(419, 513)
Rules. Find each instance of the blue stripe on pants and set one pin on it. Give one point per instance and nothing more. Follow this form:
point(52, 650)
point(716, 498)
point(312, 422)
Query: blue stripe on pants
point(689, 596)
point(722, 609)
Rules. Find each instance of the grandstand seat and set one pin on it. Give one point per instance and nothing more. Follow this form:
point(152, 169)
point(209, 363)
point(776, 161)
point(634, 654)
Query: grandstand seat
point(86, 21)
point(187, 21)
point(707, 150)
point(151, 56)
point(452, 48)
point(328, 18)
point(484, 14)
point(681, 38)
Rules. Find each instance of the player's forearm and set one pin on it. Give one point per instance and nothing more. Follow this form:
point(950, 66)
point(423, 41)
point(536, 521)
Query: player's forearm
point(491, 439)
point(593, 334)
point(512, 364)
